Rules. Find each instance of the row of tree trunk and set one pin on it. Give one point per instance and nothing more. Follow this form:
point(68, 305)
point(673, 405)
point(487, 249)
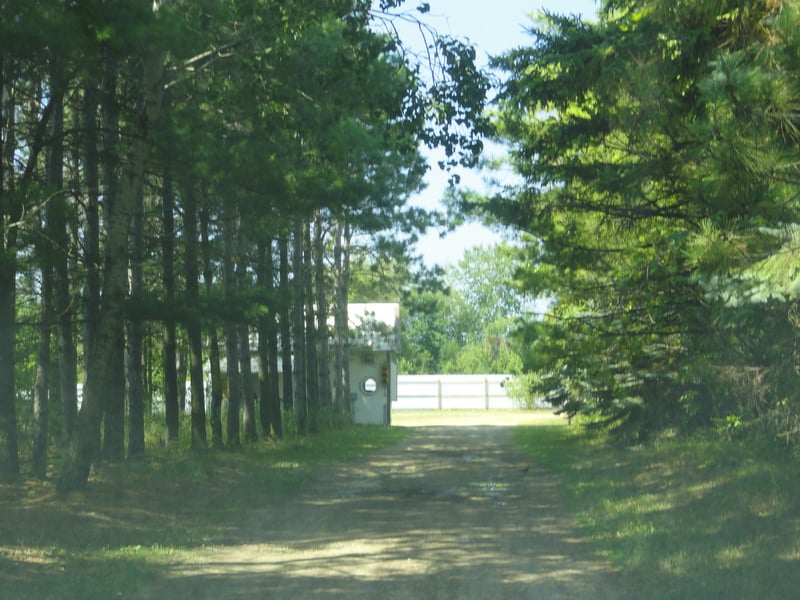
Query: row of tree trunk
point(195, 172)
point(95, 235)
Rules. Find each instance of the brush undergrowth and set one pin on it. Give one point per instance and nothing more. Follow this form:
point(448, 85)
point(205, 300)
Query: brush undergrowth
point(136, 516)
point(684, 518)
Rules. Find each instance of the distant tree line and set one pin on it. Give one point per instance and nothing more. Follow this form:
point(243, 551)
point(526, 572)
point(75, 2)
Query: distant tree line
point(466, 324)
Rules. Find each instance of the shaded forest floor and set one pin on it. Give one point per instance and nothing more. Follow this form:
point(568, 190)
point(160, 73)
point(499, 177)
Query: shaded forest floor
point(104, 542)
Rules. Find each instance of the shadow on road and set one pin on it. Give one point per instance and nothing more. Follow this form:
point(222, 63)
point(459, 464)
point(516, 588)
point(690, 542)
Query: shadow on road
point(452, 512)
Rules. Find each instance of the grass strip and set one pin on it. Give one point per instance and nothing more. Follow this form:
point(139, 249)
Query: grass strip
point(682, 518)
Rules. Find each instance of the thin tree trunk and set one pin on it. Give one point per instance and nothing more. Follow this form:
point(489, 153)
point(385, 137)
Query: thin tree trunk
point(323, 335)
point(273, 392)
point(135, 370)
point(216, 386)
point(148, 355)
point(9, 451)
point(182, 375)
point(272, 340)
point(341, 326)
point(213, 337)
point(231, 342)
point(298, 328)
point(62, 225)
point(67, 353)
point(10, 212)
point(106, 374)
point(270, 408)
point(312, 337)
point(54, 226)
point(248, 390)
point(284, 293)
point(112, 353)
point(41, 390)
point(344, 315)
point(171, 392)
point(65, 263)
point(53, 244)
point(339, 398)
point(193, 327)
point(264, 407)
point(91, 236)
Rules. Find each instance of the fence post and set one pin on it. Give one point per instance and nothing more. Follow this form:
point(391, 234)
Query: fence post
point(486, 391)
point(439, 392)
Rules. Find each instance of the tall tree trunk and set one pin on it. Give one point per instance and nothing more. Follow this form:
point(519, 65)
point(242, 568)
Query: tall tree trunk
point(182, 374)
point(151, 356)
point(213, 337)
point(265, 287)
point(312, 337)
point(264, 376)
point(338, 349)
point(135, 370)
point(62, 224)
point(91, 228)
point(341, 285)
point(269, 408)
point(105, 375)
point(171, 391)
point(323, 336)
point(10, 213)
point(9, 450)
point(53, 243)
point(67, 353)
point(276, 418)
point(345, 315)
point(41, 390)
point(66, 236)
point(216, 386)
point(193, 327)
point(284, 293)
point(112, 352)
point(231, 342)
point(298, 327)
point(248, 390)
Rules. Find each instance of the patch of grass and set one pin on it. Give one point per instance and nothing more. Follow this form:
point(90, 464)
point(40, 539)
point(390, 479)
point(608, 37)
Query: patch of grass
point(135, 517)
point(684, 518)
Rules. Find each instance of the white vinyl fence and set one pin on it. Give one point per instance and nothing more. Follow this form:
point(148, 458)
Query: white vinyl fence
point(443, 392)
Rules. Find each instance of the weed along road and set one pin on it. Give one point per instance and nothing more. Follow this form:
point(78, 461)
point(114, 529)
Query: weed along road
point(451, 512)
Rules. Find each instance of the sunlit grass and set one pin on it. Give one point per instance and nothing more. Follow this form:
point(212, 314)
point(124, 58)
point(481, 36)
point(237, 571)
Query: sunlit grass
point(683, 518)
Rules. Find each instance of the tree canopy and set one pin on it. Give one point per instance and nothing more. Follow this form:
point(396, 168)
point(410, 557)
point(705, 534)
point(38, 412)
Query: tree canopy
point(658, 147)
point(182, 187)
point(466, 325)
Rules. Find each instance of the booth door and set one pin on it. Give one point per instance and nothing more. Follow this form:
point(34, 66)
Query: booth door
point(369, 394)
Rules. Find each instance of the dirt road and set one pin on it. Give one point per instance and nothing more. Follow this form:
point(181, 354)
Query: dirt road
point(452, 512)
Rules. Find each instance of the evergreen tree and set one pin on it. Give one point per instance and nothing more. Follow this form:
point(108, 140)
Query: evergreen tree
point(656, 147)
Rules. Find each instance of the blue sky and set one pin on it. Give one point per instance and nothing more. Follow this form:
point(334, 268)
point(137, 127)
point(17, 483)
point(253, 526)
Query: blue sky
point(493, 27)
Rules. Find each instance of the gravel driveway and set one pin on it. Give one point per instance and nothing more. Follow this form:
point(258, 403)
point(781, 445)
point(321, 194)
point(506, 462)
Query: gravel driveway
point(451, 512)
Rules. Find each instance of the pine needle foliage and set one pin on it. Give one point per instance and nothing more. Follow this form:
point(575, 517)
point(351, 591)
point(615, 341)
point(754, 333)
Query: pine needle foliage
point(659, 152)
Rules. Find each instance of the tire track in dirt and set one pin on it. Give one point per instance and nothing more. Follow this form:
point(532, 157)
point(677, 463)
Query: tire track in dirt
point(452, 512)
